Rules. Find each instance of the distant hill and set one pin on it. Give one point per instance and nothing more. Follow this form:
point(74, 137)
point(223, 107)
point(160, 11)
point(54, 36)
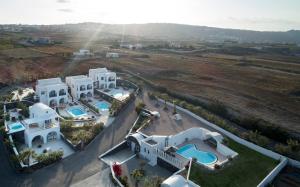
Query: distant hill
point(178, 32)
point(167, 31)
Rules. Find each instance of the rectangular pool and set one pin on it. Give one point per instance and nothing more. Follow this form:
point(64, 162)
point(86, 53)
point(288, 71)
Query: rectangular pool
point(76, 112)
point(102, 105)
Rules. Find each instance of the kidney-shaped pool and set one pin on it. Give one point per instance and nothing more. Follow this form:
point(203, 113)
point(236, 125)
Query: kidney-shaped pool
point(190, 151)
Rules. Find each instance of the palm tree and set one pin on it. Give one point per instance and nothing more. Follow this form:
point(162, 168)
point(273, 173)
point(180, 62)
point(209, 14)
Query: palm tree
point(83, 137)
point(137, 176)
point(26, 154)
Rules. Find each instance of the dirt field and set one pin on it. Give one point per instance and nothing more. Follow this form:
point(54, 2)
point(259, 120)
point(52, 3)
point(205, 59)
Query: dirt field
point(263, 92)
point(254, 85)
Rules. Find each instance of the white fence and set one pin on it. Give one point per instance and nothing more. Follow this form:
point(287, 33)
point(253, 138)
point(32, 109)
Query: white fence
point(178, 163)
point(269, 178)
point(266, 152)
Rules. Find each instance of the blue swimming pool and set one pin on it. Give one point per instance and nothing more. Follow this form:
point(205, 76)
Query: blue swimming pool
point(76, 112)
point(17, 127)
point(102, 105)
point(190, 151)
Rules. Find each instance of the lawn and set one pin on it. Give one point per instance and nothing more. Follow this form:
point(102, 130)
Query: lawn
point(248, 169)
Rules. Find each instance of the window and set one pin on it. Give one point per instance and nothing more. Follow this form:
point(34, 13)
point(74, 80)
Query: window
point(43, 93)
point(102, 78)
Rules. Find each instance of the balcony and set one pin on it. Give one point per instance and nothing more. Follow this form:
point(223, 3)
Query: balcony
point(111, 79)
point(89, 87)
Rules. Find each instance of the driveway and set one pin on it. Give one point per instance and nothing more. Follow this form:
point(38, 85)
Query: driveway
point(76, 167)
point(166, 125)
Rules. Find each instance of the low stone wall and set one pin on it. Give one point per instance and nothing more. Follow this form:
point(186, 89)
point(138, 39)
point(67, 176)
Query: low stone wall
point(74, 147)
point(105, 96)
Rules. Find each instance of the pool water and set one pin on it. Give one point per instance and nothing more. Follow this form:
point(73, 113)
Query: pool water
point(190, 151)
point(118, 94)
point(102, 106)
point(17, 126)
point(76, 111)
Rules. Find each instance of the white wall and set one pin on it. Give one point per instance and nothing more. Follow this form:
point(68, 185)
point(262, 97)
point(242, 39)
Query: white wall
point(224, 150)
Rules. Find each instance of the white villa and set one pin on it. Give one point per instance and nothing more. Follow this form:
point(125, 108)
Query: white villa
point(41, 128)
point(52, 92)
point(103, 79)
point(83, 52)
point(81, 86)
point(172, 149)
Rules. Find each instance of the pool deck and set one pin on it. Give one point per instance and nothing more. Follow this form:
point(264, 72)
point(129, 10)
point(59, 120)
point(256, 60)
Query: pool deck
point(202, 146)
point(118, 93)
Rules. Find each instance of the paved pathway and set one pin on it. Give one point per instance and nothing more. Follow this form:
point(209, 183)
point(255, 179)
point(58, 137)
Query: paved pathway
point(76, 167)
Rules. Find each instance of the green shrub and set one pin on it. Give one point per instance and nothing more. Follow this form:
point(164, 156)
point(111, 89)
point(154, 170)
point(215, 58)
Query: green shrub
point(24, 109)
point(97, 128)
point(7, 117)
point(124, 181)
point(283, 149)
point(293, 145)
point(218, 108)
point(139, 107)
point(49, 158)
point(66, 126)
point(151, 96)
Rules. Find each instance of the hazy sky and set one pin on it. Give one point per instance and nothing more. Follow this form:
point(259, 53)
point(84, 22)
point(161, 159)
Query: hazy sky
point(243, 14)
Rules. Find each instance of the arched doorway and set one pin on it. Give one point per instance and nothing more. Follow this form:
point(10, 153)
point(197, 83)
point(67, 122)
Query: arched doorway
point(37, 140)
point(52, 136)
point(111, 85)
point(52, 93)
point(62, 101)
point(89, 94)
point(62, 92)
point(82, 88)
point(82, 95)
point(133, 141)
point(53, 103)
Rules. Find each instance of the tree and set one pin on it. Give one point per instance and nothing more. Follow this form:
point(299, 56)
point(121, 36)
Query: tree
point(139, 107)
point(26, 154)
point(166, 106)
point(20, 91)
point(117, 169)
point(137, 175)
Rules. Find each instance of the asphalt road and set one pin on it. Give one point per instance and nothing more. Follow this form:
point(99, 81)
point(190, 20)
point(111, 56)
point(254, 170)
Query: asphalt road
point(76, 167)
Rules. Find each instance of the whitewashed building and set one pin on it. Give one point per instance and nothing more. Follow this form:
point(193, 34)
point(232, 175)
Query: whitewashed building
point(83, 53)
point(156, 147)
point(81, 86)
point(42, 126)
point(112, 55)
point(103, 78)
point(52, 92)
